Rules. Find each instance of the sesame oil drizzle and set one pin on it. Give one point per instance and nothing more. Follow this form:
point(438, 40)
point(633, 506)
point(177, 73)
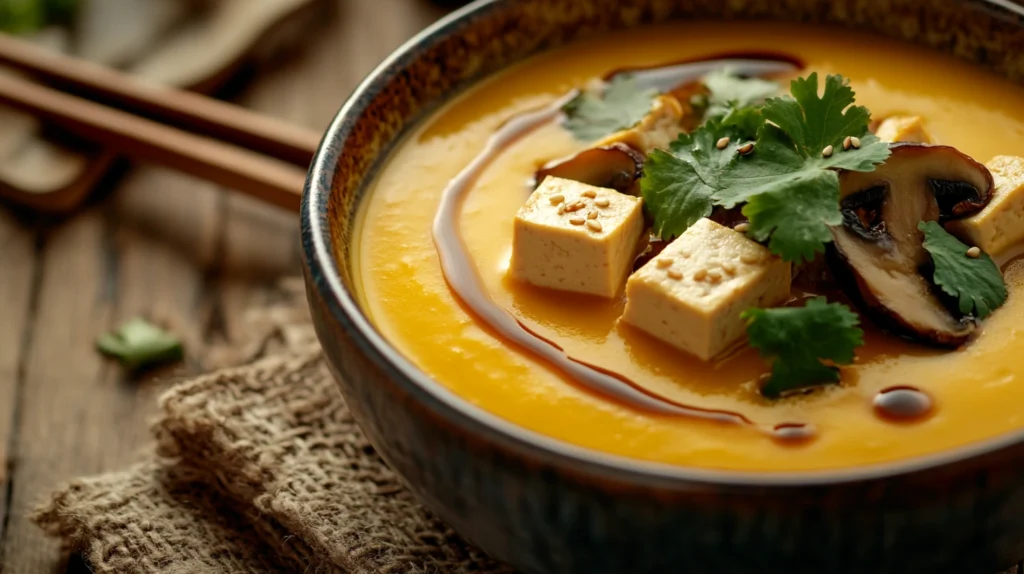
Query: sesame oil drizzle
point(462, 277)
point(464, 281)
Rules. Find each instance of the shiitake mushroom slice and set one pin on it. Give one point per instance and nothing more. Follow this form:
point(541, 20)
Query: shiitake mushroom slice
point(878, 255)
point(616, 166)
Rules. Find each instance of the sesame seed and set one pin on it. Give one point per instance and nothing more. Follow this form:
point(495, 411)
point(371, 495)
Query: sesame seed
point(722, 142)
point(847, 142)
point(592, 215)
point(589, 193)
point(714, 276)
point(827, 152)
point(742, 227)
point(603, 202)
point(594, 225)
point(577, 221)
point(729, 268)
point(746, 148)
point(664, 262)
point(700, 274)
point(855, 142)
point(673, 274)
point(749, 258)
point(556, 199)
point(974, 252)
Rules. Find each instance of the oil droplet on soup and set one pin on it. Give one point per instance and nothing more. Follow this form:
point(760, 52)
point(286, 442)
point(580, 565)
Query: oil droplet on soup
point(902, 404)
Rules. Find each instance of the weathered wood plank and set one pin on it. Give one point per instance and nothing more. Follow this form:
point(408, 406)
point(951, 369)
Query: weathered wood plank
point(141, 253)
point(261, 243)
point(153, 249)
point(61, 381)
point(17, 273)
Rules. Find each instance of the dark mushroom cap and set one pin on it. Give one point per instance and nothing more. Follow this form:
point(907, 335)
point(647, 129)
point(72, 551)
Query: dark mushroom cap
point(878, 255)
point(616, 166)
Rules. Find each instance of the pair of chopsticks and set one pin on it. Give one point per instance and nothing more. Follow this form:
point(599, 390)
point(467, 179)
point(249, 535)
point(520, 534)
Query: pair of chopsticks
point(223, 143)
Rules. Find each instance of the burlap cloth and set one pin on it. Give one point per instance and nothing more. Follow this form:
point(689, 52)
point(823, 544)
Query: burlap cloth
point(258, 468)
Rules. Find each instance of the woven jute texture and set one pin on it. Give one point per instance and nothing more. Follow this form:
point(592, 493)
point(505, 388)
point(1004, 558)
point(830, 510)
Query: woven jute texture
point(260, 468)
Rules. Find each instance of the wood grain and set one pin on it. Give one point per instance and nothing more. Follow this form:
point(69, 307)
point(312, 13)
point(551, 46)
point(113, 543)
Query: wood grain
point(162, 245)
point(267, 178)
point(179, 108)
point(17, 262)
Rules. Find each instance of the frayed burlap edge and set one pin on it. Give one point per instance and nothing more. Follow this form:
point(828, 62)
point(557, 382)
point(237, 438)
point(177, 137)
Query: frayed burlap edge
point(262, 469)
point(163, 516)
point(278, 435)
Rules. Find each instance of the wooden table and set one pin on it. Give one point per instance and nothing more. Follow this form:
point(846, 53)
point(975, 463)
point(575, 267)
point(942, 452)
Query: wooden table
point(159, 244)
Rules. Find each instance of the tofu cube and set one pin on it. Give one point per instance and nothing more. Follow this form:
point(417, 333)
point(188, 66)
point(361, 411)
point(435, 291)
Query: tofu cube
point(1001, 224)
point(903, 129)
point(692, 294)
point(576, 237)
point(660, 127)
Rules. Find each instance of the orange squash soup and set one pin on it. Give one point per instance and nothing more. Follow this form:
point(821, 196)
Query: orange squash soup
point(939, 363)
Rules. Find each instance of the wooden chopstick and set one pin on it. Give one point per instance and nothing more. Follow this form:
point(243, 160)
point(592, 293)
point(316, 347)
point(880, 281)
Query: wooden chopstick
point(268, 158)
point(263, 177)
point(187, 110)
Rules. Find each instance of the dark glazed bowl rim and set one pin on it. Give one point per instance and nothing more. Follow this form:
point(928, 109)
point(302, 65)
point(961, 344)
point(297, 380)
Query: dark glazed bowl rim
point(475, 421)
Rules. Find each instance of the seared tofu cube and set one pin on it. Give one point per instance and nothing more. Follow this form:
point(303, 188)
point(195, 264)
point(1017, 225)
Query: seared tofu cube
point(1001, 224)
point(692, 294)
point(660, 127)
point(576, 237)
point(903, 129)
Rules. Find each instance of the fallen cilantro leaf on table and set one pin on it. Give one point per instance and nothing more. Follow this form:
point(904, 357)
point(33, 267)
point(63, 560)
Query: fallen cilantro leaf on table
point(138, 344)
point(798, 339)
point(791, 190)
point(622, 105)
point(977, 284)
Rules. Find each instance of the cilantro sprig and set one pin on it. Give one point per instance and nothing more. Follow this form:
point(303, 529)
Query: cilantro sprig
point(679, 186)
point(788, 183)
point(138, 344)
point(976, 283)
point(799, 340)
point(734, 100)
point(729, 91)
point(622, 104)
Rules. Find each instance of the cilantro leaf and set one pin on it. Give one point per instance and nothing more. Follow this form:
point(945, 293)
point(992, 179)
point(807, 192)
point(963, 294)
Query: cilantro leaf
point(789, 186)
point(797, 214)
point(747, 121)
point(730, 92)
point(735, 101)
point(977, 284)
point(812, 122)
point(798, 339)
point(621, 106)
point(678, 187)
point(137, 344)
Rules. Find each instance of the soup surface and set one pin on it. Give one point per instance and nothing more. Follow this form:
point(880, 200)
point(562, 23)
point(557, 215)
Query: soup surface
point(975, 392)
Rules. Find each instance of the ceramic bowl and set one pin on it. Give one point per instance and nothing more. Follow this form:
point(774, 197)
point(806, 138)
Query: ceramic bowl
point(546, 506)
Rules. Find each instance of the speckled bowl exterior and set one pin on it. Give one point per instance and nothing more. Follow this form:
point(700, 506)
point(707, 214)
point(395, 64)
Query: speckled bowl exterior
point(545, 506)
